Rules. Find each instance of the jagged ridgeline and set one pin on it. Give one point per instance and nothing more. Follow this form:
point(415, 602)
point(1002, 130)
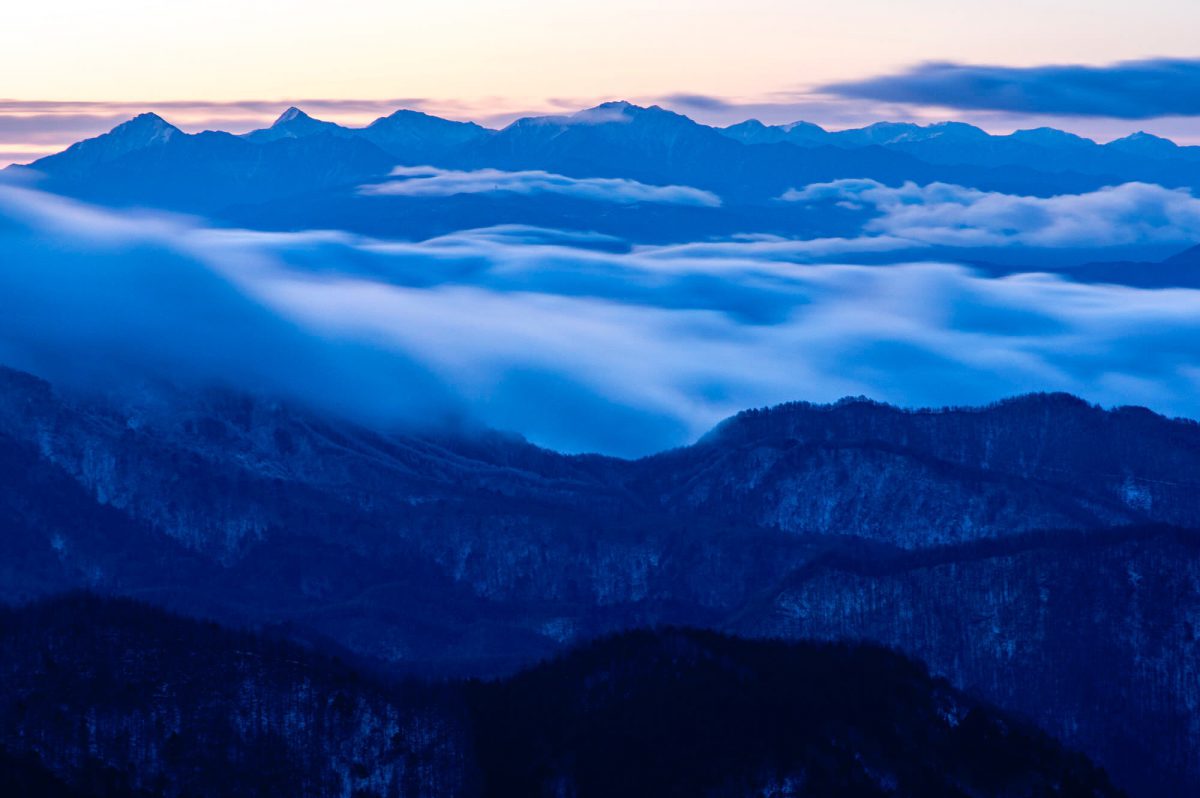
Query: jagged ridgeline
point(304, 173)
point(109, 697)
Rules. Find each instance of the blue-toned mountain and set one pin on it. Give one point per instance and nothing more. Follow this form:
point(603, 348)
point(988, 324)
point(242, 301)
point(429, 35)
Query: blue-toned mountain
point(148, 162)
point(985, 541)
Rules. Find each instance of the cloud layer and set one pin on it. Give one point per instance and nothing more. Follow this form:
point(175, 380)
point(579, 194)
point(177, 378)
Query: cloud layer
point(954, 216)
point(1125, 90)
point(428, 181)
point(526, 330)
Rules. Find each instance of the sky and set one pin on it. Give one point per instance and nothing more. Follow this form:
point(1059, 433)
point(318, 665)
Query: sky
point(74, 68)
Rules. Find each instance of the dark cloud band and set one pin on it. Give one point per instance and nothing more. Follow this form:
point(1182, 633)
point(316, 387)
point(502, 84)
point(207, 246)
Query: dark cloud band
point(1125, 90)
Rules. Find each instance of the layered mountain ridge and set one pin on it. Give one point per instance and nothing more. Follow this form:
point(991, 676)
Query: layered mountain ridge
point(1011, 547)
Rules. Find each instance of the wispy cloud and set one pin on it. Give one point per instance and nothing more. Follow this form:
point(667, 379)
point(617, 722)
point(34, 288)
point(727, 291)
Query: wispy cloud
point(1126, 90)
point(579, 349)
point(946, 215)
point(426, 181)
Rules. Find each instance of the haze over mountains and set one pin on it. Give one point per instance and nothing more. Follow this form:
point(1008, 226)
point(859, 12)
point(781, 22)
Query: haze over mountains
point(303, 173)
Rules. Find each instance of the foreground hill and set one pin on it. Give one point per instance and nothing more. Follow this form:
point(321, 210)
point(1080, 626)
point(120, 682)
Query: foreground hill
point(915, 479)
point(114, 698)
point(1012, 547)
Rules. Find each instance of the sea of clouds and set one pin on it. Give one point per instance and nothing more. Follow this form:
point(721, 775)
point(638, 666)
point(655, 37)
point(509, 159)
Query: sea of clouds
point(536, 332)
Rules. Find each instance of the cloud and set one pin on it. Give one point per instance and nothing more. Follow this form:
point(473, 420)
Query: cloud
point(624, 353)
point(427, 181)
point(792, 250)
point(954, 216)
point(701, 102)
point(1126, 90)
point(91, 297)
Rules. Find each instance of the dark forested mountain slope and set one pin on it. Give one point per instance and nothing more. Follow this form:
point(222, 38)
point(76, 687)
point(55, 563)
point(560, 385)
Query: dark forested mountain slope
point(929, 477)
point(1092, 634)
point(932, 531)
point(116, 698)
point(687, 713)
point(113, 698)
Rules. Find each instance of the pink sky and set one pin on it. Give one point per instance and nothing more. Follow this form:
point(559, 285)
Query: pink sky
point(235, 64)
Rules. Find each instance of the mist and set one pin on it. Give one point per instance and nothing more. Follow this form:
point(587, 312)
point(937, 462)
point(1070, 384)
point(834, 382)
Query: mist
point(532, 331)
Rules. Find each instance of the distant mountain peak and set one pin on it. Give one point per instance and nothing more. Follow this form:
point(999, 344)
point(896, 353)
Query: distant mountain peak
point(417, 137)
point(623, 111)
point(291, 114)
point(892, 126)
point(409, 116)
point(1049, 137)
point(624, 106)
point(142, 131)
point(149, 126)
point(754, 131)
point(147, 118)
point(961, 128)
point(882, 133)
point(1146, 144)
point(801, 125)
point(402, 113)
point(888, 133)
point(611, 109)
point(293, 123)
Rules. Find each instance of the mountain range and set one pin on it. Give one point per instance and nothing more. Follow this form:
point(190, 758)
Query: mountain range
point(1010, 547)
point(658, 146)
point(1048, 149)
point(302, 174)
point(647, 143)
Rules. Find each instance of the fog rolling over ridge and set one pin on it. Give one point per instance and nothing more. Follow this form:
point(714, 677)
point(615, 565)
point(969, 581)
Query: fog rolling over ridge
point(534, 331)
